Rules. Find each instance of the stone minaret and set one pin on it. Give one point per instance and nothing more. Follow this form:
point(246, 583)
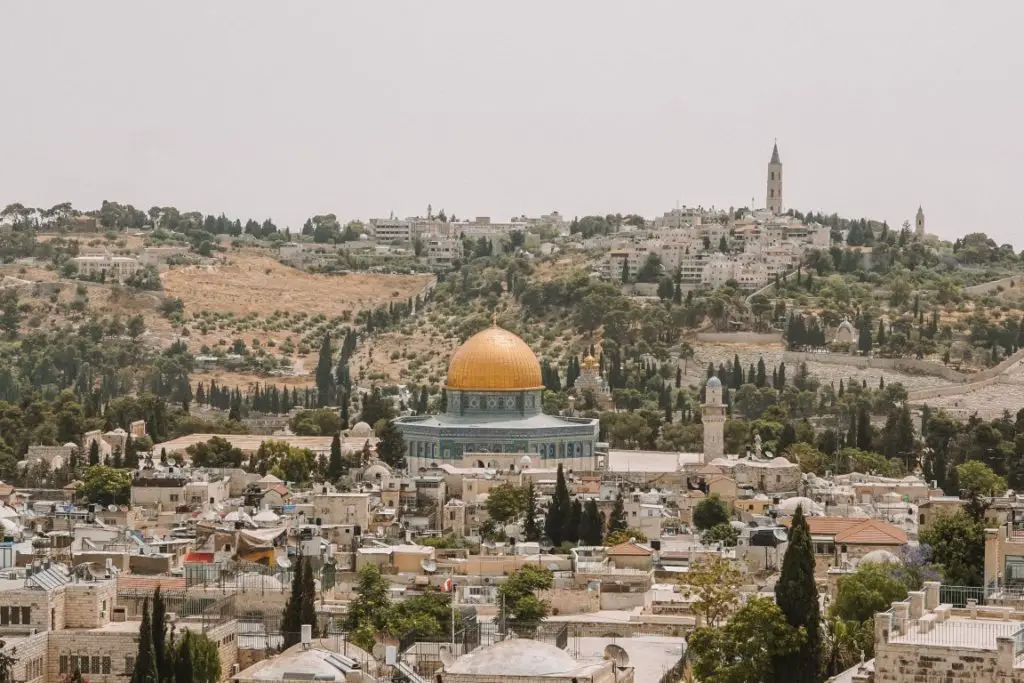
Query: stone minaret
point(775, 182)
point(919, 222)
point(713, 416)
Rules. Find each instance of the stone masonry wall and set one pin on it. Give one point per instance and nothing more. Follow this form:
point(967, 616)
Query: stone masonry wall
point(894, 364)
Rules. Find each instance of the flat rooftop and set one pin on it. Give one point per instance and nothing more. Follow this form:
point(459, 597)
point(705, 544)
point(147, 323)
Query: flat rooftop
point(650, 656)
point(970, 634)
point(649, 461)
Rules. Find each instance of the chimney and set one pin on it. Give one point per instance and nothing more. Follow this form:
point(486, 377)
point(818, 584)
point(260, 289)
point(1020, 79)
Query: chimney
point(916, 599)
point(307, 636)
point(931, 595)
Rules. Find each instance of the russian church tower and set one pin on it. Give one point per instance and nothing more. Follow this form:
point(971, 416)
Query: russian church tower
point(774, 199)
point(919, 222)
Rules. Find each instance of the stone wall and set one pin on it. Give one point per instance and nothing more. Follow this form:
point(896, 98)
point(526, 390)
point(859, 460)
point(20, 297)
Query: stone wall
point(740, 337)
point(993, 286)
point(88, 605)
point(973, 382)
point(908, 365)
point(564, 601)
point(31, 656)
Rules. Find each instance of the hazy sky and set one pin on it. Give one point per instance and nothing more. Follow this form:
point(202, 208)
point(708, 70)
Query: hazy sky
point(286, 109)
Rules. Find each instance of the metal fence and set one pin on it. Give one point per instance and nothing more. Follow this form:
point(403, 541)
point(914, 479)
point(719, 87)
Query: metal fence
point(210, 610)
point(982, 635)
point(957, 596)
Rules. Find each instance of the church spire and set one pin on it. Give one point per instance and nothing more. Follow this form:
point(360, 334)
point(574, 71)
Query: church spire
point(775, 154)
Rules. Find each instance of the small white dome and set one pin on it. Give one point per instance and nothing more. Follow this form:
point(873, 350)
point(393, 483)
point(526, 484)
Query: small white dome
point(361, 429)
point(881, 557)
point(714, 383)
point(789, 505)
point(525, 461)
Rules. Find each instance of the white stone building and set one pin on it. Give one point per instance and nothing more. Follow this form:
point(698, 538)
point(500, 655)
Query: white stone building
point(117, 268)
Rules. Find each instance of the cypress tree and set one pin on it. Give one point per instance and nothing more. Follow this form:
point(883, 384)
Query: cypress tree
point(558, 511)
point(183, 666)
point(159, 626)
point(782, 376)
point(796, 594)
point(307, 607)
point(291, 620)
point(94, 453)
point(324, 376)
point(762, 377)
point(591, 524)
point(145, 670)
point(131, 453)
point(572, 523)
point(617, 521)
point(737, 373)
point(864, 435)
point(335, 465)
point(530, 529)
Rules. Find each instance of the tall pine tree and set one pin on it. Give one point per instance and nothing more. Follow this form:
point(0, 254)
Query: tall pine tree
point(291, 620)
point(335, 465)
point(530, 529)
point(145, 670)
point(559, 510)
point(617, 521)
point(797, 596)
point(324, 375)
point(159, 625)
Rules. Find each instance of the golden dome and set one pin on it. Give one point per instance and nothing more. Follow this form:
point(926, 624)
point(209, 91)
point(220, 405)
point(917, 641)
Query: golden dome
point(494, 360)
point(589, 362)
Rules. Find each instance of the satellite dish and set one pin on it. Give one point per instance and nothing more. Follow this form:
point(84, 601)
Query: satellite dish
point(553, 567)
point(546, 544)
point(428, 565)
point(379, 651)
point(445, 654)
point(617, 655)
point(112, 508)
point(511, 530)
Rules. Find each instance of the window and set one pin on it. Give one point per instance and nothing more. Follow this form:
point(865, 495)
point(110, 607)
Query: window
point(74, 663)
point(106, 665)
point(129, 663)
point(63, 664)
point(26, 615)
point(15, 615)
point(174, 497)
point(5, 616)
point(95, 664)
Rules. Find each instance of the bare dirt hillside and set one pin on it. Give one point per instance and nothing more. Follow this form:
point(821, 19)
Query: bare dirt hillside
point(250, 282)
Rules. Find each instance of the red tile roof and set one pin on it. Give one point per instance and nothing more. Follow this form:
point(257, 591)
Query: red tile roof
point(629, 549)
point(855, 530)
